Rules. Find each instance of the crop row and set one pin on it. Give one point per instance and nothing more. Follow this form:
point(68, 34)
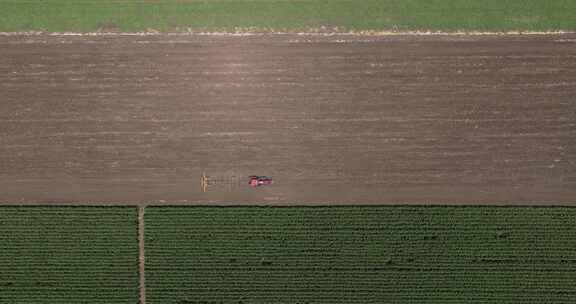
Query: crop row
point(294, 255)
point(361, 255)
point(68, 255)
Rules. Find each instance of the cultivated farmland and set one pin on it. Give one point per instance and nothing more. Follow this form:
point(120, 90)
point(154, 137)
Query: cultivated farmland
point(334, 120)
point(361, 255)
point(70, 255)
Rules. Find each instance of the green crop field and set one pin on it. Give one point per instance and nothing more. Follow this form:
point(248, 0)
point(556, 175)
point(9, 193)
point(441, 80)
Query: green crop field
point(68, 255)
point(286, 15)
point(360, 255)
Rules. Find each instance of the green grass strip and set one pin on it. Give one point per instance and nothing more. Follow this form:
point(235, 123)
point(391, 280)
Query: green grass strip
point(68, 255)
point(287, 15)
point(254, 255)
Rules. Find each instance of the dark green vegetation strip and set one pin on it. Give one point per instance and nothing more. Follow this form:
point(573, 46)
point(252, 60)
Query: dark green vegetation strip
point(281, 15)
point(361, 255)
point(68, 255)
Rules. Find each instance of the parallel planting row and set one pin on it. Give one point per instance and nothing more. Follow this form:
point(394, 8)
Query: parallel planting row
point(255, 255)
point(361, 255)
point(68, 255)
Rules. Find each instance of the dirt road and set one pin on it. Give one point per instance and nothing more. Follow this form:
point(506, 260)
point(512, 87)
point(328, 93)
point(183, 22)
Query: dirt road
point(340, 119)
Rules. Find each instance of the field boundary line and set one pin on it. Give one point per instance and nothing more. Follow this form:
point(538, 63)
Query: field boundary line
point(241, 33)
point(141, 255)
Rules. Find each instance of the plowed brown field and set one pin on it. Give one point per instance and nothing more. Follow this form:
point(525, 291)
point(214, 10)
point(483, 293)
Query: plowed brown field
point(333, 119)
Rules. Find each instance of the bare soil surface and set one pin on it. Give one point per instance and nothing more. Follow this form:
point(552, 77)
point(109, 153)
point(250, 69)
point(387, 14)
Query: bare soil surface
point(333, 120)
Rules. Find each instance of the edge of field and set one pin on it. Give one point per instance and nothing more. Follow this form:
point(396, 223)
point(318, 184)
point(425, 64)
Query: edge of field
point(240, 33)
point(284, 205)
point(286, 16)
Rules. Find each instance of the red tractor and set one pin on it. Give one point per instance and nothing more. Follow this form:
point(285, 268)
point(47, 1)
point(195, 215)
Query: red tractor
point(256, 181)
